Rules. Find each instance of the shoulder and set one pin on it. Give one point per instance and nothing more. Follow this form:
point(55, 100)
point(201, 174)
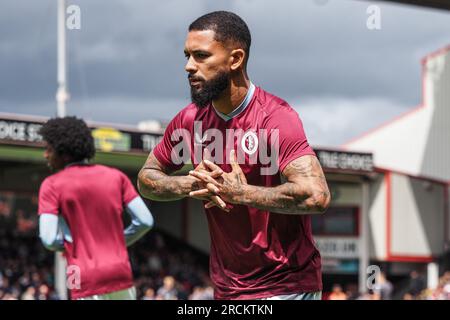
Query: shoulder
point(107, 170)
point(275, 109)
point(188, 113)
point(48, 184)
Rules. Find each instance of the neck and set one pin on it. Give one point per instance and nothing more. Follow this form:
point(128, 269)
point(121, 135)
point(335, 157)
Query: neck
point(74, 163)
point(232, 97)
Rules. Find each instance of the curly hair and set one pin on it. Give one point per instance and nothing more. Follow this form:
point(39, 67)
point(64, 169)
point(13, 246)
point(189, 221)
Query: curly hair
point(69, 136)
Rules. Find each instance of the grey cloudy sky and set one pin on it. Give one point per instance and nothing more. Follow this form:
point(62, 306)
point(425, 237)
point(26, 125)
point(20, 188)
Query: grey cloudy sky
point(126, 64)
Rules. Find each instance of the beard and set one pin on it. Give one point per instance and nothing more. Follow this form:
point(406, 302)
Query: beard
point(209, 90)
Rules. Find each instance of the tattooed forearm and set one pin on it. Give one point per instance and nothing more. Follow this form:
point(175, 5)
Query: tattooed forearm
point(286, 198)
point(305, 191)
point(155, 184)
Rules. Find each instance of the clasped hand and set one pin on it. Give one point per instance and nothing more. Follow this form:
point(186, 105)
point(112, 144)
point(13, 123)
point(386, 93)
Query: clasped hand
point(219, 187)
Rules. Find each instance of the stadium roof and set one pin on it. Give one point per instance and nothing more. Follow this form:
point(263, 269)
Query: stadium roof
point(437, 4)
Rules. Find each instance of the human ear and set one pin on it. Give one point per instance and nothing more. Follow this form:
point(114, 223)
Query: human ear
point(237, 57)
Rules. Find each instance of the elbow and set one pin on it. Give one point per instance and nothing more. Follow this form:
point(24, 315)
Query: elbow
point(48, 243)
point(148, 222)
point(325, 202)
point(319, 202)
point(47, 239)
point(141, 181)
point(145, 186)
point(45, 242)
point(141, 217)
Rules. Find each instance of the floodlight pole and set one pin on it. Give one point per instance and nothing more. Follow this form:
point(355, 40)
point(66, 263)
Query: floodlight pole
point(62, 96)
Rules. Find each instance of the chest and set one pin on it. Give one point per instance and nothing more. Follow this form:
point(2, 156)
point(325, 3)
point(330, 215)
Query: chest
point(256, 150)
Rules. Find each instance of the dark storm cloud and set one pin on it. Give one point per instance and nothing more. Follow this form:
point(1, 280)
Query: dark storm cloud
point(126, 64)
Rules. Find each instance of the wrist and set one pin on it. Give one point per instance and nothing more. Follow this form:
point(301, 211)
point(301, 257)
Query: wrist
point(242, 196)
point(189, 184)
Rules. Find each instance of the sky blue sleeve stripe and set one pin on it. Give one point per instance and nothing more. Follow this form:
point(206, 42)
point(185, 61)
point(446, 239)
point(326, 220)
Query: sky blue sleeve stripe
point(49, 233)
point(141, 220)
point(65, 229)
point(53, 229)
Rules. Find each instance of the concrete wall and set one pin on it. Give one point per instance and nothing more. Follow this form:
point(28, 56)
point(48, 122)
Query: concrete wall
point(417, 143)
point(377, 219)
point(447, 212)
point(436, 156)
point(417, 217)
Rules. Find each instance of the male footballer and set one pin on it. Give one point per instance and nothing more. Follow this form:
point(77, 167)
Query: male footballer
point(258, 216)
point(80, 213)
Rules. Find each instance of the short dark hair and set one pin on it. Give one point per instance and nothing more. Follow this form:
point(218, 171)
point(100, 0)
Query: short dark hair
point(69, 136)
point(227, 26)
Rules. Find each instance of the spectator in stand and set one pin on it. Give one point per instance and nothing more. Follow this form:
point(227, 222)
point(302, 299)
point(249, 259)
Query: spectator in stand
point(337, 293)
point(197, 294)
point(202, 293)
point(441, 292)
point(43, 292)
point(383, 288)
point(29, 294)
point(10, 296)
point(351, 290)
point(149, 294)
point(168, 290)
point(416, 283)
point(446, 286)
point(408, 296)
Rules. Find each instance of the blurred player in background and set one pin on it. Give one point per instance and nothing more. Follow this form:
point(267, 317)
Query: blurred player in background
point(263, 247)
point(80, 213)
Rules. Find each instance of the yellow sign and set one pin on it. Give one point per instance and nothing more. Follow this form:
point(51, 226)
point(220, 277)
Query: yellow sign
point(110, 139)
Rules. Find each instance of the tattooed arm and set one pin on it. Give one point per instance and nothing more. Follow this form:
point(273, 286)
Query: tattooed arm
point(155, 183)
point(305, 190)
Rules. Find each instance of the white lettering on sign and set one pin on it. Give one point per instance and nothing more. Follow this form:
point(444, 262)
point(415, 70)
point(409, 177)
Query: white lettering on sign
point(20, 131)
point(338, 247)
point(33, 132)
point(149, 142)
point(346, 161)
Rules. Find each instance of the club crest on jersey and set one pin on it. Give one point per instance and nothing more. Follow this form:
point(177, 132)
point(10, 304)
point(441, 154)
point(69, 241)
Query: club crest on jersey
point(249, 142)
point(252, 146)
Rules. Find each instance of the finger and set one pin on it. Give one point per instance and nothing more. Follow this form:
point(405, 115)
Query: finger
point(204, 177)
point(212, 189)
point(219, 202)
point(215, 171)
point(210, 205)
point(203, 171)
point(233, 161)
point(214, 174)
point(206, 154)
point(236, 167)
point(200, 193)
point(212, 166)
